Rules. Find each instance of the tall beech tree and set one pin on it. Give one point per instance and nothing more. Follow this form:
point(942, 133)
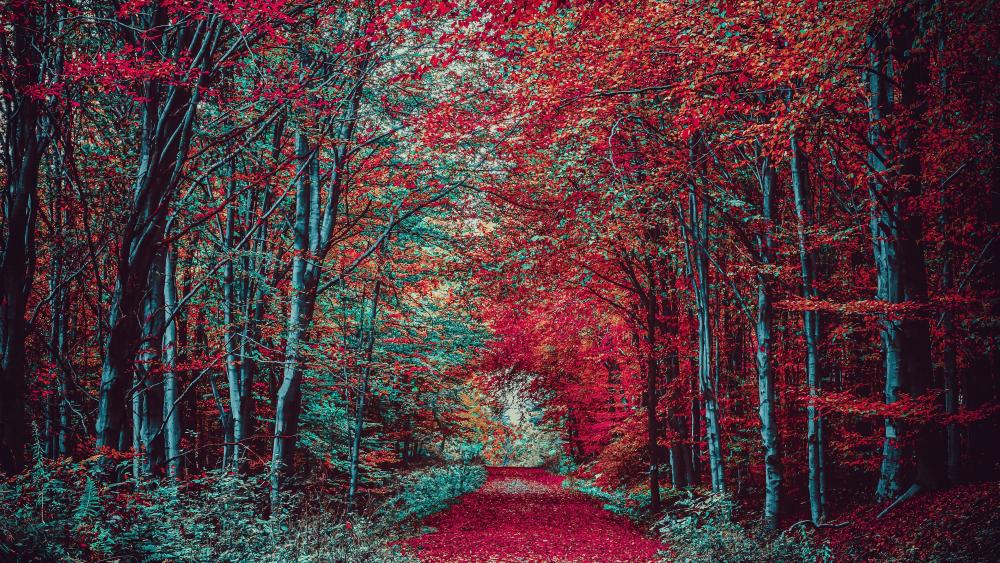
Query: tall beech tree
point(31, 74)
point(331, 160)
point(799, 169)
point(899, 55)
point(161, 38)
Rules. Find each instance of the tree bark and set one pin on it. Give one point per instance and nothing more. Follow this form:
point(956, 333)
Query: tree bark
point(698, 237)
point(810, 328)
point(359, 413)
point(652, 425)
point(911, 50)
point(885, 237)
point(171, 406)
point(148, 364)
point(26, 142)
point(315, 222)
point(231, 336)
point(59, 293)
point(286, 416)
point(167, 123)
point(765, 374)
point(897, 234)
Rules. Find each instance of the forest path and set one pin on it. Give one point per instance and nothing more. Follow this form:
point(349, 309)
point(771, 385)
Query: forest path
point(525, 515)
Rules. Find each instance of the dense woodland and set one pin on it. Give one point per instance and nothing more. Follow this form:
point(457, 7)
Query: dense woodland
point(280, 277)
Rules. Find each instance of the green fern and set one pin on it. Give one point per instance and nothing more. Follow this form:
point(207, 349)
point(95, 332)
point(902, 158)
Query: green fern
point(87, 507)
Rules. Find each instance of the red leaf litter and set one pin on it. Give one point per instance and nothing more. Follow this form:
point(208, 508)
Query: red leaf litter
point(525, 515)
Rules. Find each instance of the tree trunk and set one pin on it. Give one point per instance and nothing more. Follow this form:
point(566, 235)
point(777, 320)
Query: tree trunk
point(652, 424)
point(359, 413)
point(231, 334)
point(885, 237)
point(26, 142)
point(59, 292)
point(949, 360)
point(198, 426)
point(167, 124)
point(897, 233)
point(150, 387)
point(695, 433)
point(699, 237)
point(171, 408)
point(810, 328)
point(765, 374)
point(286, 416)
point(911, 50)
point(949, 369)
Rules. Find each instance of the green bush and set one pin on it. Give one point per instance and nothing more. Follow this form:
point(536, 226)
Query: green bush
point(430, 490)
point(704, 528)
point(633, 504)
point(58, 511)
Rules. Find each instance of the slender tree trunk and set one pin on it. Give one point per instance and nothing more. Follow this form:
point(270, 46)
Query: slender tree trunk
point(695, 435)
point(652, 424)
point(287, 405)
point(136, 435)
point(359, 413)
point(251, 334)
point(765, 372)
point(949, 361)
point(198, 425)
point(314, 230)
point(949, 369)
point(171, 408)
point(58, 337)
point(810, 327)
point(681, 469)
point(706, 381)
point(231, 334)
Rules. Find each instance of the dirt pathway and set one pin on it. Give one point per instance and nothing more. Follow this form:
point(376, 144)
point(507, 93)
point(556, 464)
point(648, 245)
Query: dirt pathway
point(525, 515)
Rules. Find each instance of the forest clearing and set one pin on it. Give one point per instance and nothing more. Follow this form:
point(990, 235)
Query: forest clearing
point(499, 280)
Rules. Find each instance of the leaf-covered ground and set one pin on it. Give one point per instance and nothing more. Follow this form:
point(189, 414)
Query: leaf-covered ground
point(958, 524)
point(525, 515)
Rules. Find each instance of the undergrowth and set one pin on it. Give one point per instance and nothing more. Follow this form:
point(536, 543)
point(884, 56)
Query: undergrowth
point(59, 511)
point(705, 528)
point(433, 489)
point(633, 504)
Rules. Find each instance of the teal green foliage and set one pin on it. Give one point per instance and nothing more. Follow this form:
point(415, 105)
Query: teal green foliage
point(633, 504)
point(419, 340)
point(705, 528)
point(561, 463)
point(59, 511)
point(433, 489)
point(468, 452)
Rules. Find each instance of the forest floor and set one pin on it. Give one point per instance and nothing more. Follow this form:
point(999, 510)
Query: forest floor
point(525, 515)
point(958, 524)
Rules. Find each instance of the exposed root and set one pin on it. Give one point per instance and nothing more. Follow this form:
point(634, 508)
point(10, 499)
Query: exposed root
point(910, 493)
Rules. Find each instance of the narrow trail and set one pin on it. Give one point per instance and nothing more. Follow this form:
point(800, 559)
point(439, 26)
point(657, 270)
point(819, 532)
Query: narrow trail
point(525, 515)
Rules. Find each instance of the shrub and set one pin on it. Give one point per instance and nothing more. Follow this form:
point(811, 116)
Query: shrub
point(704, 528)
point(430, 490)
point(633, 504)
point(58, 511)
